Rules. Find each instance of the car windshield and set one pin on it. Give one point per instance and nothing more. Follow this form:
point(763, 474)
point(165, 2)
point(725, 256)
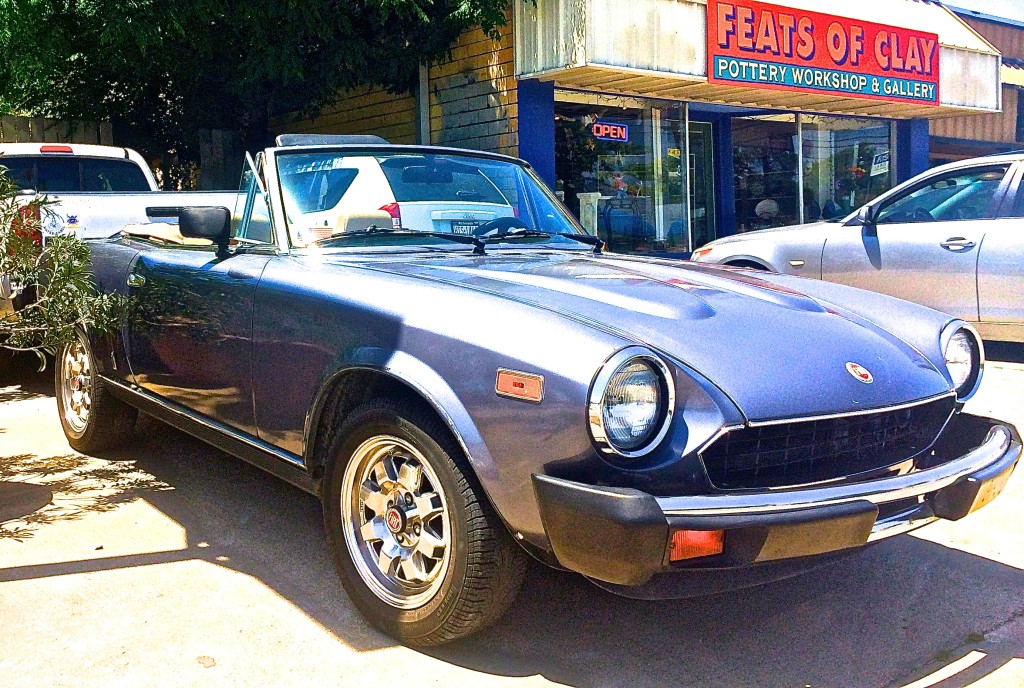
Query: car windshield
point(335, 197)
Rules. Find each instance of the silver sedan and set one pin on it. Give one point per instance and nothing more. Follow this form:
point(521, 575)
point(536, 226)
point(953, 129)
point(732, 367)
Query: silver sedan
point(951, 238)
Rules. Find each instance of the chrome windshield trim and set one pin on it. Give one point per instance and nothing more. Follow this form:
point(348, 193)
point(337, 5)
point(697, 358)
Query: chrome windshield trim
point(998, 443)
point(851, 414)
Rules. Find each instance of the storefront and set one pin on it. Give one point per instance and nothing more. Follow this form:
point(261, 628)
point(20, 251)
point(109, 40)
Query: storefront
point(781, 114)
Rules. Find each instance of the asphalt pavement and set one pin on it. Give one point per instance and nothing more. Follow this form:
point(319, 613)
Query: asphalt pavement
point(168, 563)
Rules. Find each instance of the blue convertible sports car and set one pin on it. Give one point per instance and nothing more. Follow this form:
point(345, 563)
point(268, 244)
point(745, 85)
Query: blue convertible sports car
point(426, 340)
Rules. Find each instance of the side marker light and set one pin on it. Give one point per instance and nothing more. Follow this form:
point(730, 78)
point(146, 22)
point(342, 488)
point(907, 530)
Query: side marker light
point(518, 385)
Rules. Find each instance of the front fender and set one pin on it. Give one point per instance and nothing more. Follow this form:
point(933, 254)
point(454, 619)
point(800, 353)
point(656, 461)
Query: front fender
point(425, 381)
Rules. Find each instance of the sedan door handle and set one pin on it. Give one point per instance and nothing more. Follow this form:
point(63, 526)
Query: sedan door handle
point(957, 244)
point(136, 280)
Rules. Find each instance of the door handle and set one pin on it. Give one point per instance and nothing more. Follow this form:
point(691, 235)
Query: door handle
point(957, 244)
point(136, 280)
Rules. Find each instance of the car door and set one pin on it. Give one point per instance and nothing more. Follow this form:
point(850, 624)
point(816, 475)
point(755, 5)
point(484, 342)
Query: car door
point(1001, 260)
point(924, 242)
point(190, 338)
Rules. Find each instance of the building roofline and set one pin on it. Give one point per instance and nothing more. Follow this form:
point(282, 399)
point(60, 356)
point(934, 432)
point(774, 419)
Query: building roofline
point(994, 19)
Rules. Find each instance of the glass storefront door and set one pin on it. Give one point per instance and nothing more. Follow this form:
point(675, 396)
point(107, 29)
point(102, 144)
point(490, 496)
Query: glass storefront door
point(604, 164)
point(765, 170)
point(620, 170)
point(702, 184)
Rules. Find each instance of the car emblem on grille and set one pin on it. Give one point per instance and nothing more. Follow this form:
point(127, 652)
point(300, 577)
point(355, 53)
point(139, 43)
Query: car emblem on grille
point(860, 372)
point(394, 520)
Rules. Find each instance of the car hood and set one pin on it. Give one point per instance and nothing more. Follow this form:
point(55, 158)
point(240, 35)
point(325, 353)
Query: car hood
point(772, 233)
point(775, 351)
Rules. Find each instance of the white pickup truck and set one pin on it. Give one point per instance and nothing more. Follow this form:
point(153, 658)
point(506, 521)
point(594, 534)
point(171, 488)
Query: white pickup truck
point(97, 190)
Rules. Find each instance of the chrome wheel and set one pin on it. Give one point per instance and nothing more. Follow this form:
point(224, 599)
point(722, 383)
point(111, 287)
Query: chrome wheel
point(396, 521)
point(76, 387)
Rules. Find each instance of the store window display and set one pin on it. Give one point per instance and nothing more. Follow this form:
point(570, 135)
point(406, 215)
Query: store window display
point(846, 163)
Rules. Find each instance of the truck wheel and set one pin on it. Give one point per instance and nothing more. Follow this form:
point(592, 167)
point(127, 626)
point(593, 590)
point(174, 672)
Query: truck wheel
point(418, 548)
point(92, 419)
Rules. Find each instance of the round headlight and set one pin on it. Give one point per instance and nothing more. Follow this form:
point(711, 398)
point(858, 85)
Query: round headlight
point(631, 404)
point(963, 360)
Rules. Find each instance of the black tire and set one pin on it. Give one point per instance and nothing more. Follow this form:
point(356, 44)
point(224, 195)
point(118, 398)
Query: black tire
point(484, 568)
point(108, 423)
point(749, 264)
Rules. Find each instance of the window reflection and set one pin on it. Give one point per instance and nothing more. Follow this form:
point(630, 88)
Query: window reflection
point(846, 164)
point(765, 171)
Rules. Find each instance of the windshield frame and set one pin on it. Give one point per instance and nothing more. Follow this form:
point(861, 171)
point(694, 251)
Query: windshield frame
point(272, 182)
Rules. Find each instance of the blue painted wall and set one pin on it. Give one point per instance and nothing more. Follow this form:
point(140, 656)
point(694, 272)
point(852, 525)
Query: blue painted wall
point(725, 187)
point(911, 148)
point(537, 127)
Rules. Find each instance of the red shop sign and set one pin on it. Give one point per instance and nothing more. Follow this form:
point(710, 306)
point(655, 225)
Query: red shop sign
point(767, 46)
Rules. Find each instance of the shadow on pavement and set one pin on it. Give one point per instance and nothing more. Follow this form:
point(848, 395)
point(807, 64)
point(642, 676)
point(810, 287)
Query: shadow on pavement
point(866, 620)
point(1004, 352)
point(18, 499)
point(20, 377)
point(63, 487)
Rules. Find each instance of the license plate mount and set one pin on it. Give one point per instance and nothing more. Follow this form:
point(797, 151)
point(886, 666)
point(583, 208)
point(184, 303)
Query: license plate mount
point(465, 226)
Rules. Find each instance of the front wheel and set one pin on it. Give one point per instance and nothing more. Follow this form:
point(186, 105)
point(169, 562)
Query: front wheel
point(418, 548)
point(92, 419)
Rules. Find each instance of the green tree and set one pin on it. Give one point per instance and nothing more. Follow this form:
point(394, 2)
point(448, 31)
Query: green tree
point(166, 68)
point(52, 288)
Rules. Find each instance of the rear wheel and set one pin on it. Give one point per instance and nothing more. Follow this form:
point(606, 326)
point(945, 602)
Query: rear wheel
point(418, 548)
point(747, 264)
point(92, 419)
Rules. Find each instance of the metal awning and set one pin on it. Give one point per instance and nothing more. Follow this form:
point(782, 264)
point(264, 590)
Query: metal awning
point(1013, 73)
point(657, 48)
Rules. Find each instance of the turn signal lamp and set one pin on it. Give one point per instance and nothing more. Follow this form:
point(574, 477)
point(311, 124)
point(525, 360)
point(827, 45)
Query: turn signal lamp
point(700, 253)
point(517, 385)
point(690, 544)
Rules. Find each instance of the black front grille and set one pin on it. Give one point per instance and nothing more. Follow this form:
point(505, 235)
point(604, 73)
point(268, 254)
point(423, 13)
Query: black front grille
point(815, 450)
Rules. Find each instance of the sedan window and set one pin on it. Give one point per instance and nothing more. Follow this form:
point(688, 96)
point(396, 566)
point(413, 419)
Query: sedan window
point(959, 195)
point(1017, 209)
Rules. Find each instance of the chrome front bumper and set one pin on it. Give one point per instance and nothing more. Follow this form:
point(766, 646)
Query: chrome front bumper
point(621, 536)
point(996, 445)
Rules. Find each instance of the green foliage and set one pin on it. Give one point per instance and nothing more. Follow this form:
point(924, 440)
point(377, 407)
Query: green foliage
point(54, 289)
point(168, 68)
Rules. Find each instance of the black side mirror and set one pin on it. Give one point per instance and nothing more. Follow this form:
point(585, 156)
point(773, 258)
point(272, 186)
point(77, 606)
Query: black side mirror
point(865, 218)
point(207, 222)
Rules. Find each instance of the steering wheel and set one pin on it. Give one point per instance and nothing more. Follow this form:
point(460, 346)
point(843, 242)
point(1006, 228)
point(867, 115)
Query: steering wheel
point(500, 225)
point(922, 215)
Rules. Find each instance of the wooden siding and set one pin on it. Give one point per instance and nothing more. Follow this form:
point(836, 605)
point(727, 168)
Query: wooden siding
point(361, 111)
point(998, 127)
point(15, 129)
point(1008, 40)
point(474, 96)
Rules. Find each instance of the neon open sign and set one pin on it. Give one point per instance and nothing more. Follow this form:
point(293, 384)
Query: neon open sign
point(606, 131)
